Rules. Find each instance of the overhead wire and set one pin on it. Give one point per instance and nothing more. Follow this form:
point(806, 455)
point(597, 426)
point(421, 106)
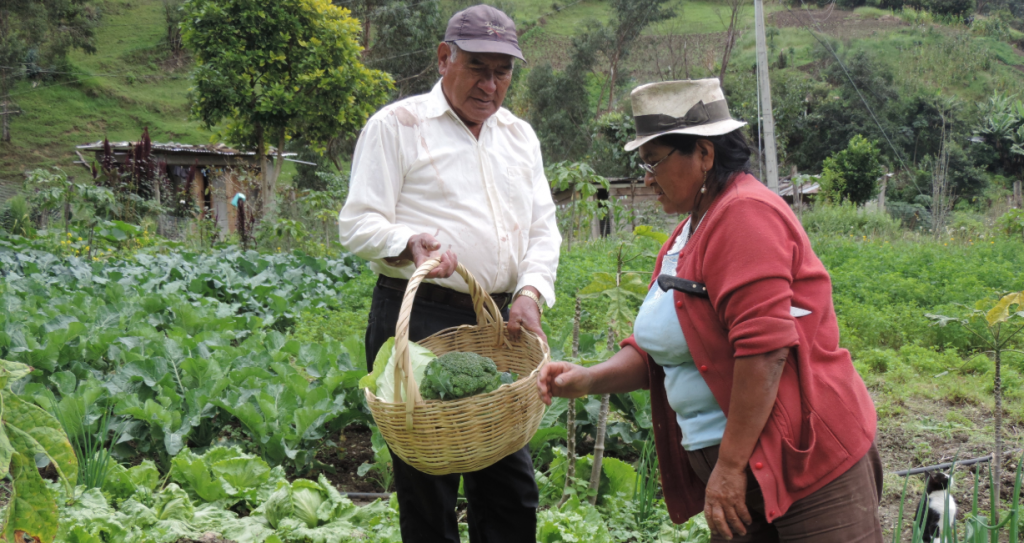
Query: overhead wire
point(828, 47)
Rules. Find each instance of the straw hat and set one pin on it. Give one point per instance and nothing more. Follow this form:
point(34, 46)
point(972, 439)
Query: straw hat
point(691, 106)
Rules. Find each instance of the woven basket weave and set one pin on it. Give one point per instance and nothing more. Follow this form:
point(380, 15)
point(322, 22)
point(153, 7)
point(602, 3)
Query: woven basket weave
point(440, 437)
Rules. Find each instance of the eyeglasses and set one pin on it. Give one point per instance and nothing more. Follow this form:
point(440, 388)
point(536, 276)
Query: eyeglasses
point(649, 168)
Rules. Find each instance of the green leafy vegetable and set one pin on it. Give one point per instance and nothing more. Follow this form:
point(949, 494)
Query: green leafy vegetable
point(379, 363)
point(419, 357)
point(26, 431)
point(456, 375)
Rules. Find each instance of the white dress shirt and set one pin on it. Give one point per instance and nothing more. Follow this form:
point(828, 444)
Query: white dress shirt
point(418, 169)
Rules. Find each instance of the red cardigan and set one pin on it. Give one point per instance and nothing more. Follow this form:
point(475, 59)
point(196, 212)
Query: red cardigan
point(754, 256)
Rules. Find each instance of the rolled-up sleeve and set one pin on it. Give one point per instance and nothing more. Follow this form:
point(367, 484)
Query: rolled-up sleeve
point(753, 292)
point(366, 224)
point(538, 267)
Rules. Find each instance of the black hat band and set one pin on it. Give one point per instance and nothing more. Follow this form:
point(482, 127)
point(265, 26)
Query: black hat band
point(699, 114)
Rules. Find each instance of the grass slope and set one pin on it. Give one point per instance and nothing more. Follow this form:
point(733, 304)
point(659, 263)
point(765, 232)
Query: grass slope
point(132, 83)
point(129, 84)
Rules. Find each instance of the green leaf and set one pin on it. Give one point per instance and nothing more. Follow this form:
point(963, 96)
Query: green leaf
point(192, 472)
point(32, 511)
point(144, 475)
point(12, 371)
point(621, 477)
point(601, 282)
point(31, 430)
point(649, 232)
point(1001, 311)
point(546, 434)
point(241, 476)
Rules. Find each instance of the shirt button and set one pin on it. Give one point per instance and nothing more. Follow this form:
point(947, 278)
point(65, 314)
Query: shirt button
point(679, 303)
point(704, 369)
point(773, 513)
point(758, 465)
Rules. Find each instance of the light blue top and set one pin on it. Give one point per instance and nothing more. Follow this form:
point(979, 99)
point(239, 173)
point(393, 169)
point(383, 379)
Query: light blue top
point(657, 332)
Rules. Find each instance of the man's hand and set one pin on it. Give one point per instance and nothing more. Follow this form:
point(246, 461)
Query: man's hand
point(725, 501)
point(421, 248)
point(525, 313)
point(563, 380)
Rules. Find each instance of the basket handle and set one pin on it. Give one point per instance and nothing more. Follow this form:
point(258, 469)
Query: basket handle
point(487, 314)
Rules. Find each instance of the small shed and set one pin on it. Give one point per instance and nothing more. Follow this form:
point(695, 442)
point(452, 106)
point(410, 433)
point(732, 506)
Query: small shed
point(808, 190)
point(220, 169)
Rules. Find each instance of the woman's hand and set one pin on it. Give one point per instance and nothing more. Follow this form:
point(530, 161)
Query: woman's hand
point(725, 501)
point(564, 380)
point(625, 371)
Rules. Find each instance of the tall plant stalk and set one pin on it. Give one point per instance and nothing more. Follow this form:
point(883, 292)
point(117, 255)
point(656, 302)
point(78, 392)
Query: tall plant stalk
point(602, 426)
point(1002, 325)
point(570, 414)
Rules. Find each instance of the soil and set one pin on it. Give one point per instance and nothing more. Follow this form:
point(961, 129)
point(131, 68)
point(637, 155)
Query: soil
point(354, 448)
point(913, 439)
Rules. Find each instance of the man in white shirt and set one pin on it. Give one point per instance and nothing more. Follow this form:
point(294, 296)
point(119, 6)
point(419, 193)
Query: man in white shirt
point(451, 174)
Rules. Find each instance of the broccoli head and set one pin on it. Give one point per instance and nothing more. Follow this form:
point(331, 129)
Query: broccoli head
point(458, 375)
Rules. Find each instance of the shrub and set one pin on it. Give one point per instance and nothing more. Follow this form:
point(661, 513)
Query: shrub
point(846, 219)
point(913, 16)
point(1012, 222)
point(912, 215)
point(16, 217)
point(962, 8)
point(879, 360)
point(852, 174)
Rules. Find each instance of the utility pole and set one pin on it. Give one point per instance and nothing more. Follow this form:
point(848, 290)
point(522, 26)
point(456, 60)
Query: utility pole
point(767, 119)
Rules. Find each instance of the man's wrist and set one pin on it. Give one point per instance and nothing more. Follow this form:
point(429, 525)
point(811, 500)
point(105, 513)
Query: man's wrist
point(531, 293)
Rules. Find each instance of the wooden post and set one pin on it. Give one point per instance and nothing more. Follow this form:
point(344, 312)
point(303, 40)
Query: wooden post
point(881, 190)
point(767, 119)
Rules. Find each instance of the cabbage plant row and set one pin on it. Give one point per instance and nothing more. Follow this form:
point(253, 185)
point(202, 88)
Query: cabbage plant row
point(183, 349)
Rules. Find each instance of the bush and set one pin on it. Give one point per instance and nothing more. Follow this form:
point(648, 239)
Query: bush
point(852, 174)
point(1012, 222)
point(962, 8)
point(913, 16)
point(913, 216)
point(879, 360)
point(846, 219)
point(16, 217)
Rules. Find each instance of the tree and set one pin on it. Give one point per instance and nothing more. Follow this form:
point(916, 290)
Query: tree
point(735, 10)
point(631, 18)
point(274, 70)
point(401, 39)
point(559, 102)
point(45, 30)
point(1002, 124)
point(852, 173)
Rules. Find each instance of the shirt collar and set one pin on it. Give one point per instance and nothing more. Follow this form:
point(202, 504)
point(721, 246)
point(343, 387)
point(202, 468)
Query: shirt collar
point(438, 105)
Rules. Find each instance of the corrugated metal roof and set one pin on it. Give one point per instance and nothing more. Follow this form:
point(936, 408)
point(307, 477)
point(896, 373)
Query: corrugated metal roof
point(174, 147)
point(786, 188)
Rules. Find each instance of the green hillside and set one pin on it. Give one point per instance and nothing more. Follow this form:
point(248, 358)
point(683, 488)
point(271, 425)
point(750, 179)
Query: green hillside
point(133, 82)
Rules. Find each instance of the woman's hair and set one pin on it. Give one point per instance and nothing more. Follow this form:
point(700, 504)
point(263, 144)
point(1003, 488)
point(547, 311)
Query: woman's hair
point(732, 155)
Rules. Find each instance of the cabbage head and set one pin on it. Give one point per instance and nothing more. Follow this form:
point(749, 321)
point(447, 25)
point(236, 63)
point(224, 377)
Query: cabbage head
point(419, 357)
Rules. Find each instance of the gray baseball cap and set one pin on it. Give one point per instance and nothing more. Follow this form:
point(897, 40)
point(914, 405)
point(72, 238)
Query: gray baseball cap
point(484, 29)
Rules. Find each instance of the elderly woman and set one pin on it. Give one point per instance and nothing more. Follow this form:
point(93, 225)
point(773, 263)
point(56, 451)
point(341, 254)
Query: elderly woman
point(760, 419)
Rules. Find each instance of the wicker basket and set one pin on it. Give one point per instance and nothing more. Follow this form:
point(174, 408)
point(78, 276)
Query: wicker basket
point(456, 436)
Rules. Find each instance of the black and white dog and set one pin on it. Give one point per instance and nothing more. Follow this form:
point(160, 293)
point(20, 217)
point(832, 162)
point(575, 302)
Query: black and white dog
point(936, 498)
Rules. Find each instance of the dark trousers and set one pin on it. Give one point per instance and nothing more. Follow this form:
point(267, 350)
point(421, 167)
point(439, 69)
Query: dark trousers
point(843, 511)
point(502, 498)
